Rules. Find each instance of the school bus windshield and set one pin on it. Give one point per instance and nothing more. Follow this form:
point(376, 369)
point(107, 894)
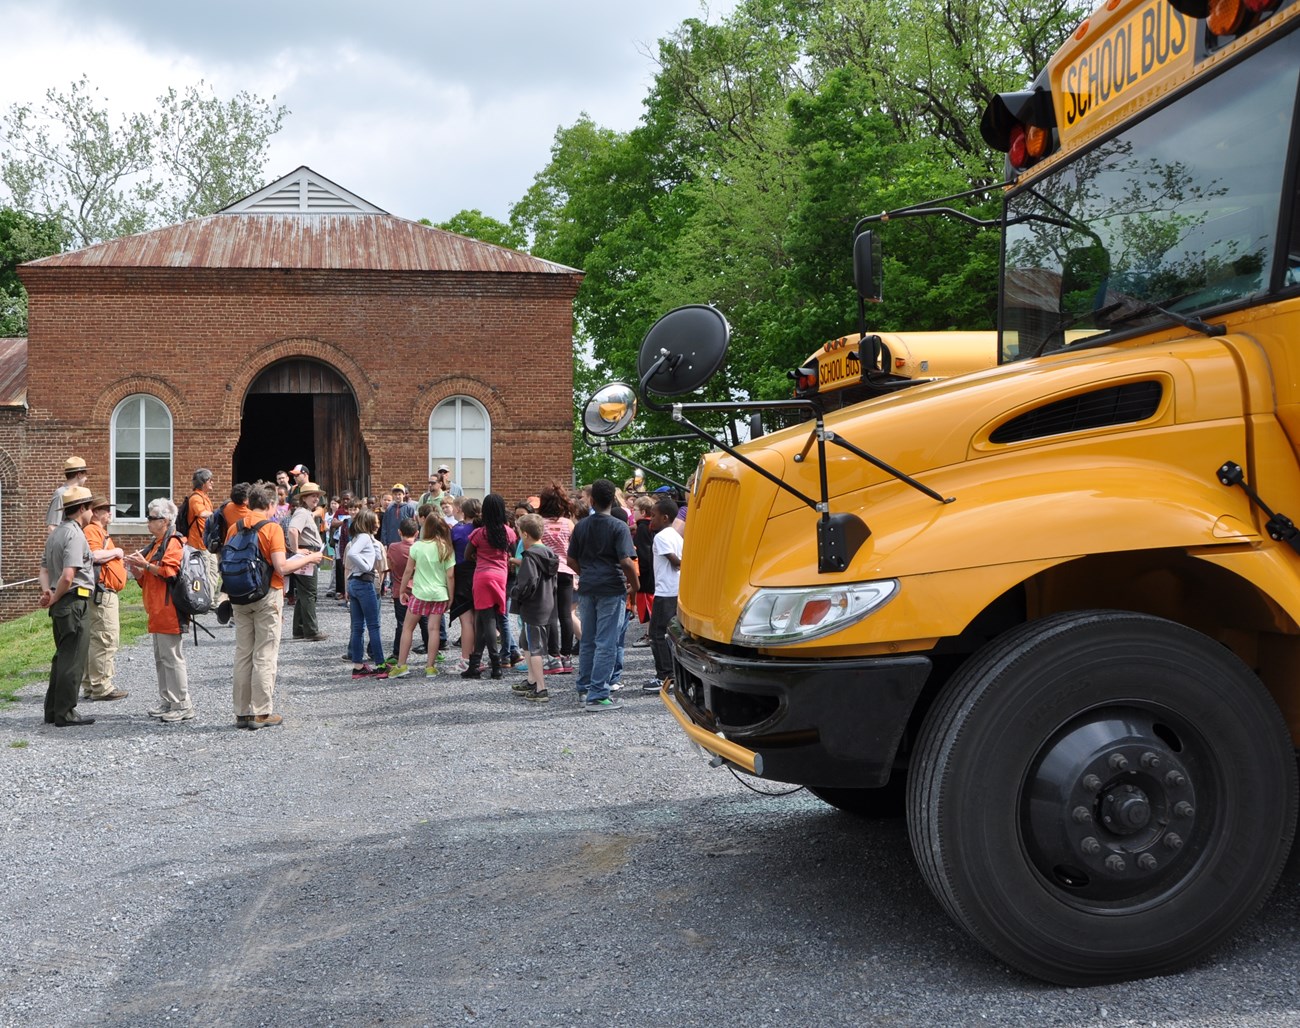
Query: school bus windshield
point(1179, 211)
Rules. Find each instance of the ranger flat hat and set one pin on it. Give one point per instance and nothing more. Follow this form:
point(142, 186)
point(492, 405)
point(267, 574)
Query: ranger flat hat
point(74, 464)
point(75, 496)
point(308, 488)
point(100, 501)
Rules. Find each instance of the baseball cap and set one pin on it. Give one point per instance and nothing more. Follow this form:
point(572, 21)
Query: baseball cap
point(398, 488)
point(300, 469)
point(444, 467)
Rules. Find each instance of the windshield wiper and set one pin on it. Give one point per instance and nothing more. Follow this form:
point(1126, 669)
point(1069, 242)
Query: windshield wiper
point(1147, 307)
point(1065, 323)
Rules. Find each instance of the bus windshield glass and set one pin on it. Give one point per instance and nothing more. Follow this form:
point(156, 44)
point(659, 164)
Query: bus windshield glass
point(1179, 211)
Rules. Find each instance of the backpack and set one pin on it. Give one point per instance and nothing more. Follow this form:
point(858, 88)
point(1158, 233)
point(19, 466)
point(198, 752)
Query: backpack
point(183, 518)
point(245, 573)
point(214, 532)
point(189, 591)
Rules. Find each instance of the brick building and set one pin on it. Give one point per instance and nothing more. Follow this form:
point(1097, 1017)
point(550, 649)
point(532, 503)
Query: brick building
point(301, 324)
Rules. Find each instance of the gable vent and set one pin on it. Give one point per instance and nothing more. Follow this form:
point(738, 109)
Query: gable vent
point(1116, 405)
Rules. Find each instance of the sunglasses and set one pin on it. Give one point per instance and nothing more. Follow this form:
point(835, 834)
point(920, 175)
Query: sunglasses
point(158, 517)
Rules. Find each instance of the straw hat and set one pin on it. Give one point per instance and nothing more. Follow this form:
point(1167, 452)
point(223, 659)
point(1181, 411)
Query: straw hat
point(308, 488)
point(75, 496)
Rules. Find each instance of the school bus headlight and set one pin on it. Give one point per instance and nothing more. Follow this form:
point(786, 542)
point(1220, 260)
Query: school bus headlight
point(775, 617)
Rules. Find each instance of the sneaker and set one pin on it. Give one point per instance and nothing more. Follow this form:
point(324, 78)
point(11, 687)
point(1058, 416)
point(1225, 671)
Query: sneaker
point(515, 658)
point(398, 671)
point(522, 687)
point(459, 666)
point(266, 721)
point(537, 695)
point(224, 612)
point(159, 710)
point(615, 686)
point(420, 649)
point(243, 720)
point(652, 686)
point(172, 716)
point(552, 666)
point(595, 706)
point(319, 637)
point(442, 655)
point(364, 671)
point(431, 672)
point(519, 665)
point(643, 641)
point(566, 666)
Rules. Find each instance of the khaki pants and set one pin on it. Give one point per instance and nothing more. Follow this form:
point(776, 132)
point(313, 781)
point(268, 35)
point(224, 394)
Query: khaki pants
point(214, 576)
point(98, 679)
point(173, 680)
point(257, 653)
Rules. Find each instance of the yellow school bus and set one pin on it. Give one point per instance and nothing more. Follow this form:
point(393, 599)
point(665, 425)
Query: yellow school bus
point(1050, 610)
point(837, 372)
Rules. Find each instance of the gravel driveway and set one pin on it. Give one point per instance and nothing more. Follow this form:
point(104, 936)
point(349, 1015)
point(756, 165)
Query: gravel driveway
point(439, 852)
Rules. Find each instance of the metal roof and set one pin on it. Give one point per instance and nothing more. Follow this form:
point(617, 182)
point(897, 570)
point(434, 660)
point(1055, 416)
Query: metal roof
point(13, 371)
point(303, 220)
point(354, 242)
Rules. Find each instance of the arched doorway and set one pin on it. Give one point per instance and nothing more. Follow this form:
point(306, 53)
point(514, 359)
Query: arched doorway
point(302, 411)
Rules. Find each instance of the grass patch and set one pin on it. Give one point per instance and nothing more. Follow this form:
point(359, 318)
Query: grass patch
point(27, 644)
point(18, 744)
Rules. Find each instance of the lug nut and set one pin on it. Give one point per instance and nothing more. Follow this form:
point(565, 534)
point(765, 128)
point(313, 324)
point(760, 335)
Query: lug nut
point(1147, 862)
point(1090, 846)
point(1118, 761)
point(1149, 759)
point(1091, 782)
point(1115, 863)
point(1082, 815)
point(1184, 809)
point(1173, 841)
point(1174, 779)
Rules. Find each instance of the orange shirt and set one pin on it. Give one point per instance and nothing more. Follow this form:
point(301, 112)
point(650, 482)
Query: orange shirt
point(270, 539)
point(157, 601)
point(112, 573)
point(232, 512)
point(200, 507)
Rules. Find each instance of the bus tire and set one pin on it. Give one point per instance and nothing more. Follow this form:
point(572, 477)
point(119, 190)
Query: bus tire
point(1102, 795)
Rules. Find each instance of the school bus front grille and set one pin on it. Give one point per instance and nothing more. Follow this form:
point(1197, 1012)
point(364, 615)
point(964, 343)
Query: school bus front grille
point(704, 565)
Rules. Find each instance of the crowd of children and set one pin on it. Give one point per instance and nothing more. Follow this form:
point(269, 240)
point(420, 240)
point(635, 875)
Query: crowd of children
point(498, 576)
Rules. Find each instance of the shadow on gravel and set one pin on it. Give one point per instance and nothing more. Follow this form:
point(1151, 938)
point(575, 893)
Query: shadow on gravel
point(749, 909)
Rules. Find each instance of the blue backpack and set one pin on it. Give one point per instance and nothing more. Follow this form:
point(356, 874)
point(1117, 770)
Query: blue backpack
point(245, 573)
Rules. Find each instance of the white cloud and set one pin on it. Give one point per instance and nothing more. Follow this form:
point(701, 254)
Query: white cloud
point(421, 108)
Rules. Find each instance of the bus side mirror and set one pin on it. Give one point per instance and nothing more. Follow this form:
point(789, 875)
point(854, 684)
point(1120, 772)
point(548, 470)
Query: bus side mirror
point(610, 410)
point(868, 267)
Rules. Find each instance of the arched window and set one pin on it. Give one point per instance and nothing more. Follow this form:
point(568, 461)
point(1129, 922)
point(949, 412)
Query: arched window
point(142, 454)
point(460, 436)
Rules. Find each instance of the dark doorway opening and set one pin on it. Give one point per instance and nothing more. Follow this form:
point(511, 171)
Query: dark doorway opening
point(301, 411)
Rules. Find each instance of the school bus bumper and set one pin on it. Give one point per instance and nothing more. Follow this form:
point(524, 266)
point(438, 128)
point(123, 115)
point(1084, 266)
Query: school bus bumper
point(828, 722)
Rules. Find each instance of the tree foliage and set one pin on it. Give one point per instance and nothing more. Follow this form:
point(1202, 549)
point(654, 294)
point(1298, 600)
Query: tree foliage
point(765, 137)
point(102, 176)
point(476, 225)
point(22, 238)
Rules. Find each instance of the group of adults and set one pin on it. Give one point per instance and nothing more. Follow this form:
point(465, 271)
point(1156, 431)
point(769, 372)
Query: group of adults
point(82, 571)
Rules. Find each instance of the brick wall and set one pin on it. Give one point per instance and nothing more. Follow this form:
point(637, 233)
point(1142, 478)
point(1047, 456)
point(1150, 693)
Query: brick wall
point(197, 339)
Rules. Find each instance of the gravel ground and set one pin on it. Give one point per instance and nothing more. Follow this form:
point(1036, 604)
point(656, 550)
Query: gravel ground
point(439, 852)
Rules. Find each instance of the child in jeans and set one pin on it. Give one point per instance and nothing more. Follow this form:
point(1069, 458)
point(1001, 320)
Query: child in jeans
point(362, 559)
point(426, 588)
point(534, 600)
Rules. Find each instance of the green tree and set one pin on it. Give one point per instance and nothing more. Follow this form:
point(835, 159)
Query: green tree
point(102, 177)
point(22, 238)
point(476, 225)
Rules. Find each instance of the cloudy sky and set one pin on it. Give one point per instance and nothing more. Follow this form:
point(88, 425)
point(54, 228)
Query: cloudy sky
point(423, 108)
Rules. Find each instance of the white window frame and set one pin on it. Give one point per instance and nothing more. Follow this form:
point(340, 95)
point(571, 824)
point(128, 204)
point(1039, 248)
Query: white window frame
point(454, 459)
point(144, 401)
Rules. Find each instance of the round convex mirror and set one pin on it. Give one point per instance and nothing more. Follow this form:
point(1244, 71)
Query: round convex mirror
point(610, 410)
point(693, 344)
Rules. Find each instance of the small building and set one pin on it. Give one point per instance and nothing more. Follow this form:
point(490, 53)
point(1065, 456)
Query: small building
point(299, 325)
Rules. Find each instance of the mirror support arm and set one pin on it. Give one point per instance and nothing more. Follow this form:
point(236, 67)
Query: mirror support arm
point(886, 468)
point(604, 446)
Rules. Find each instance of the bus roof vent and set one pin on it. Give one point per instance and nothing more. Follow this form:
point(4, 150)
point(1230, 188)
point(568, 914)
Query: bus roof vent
point(1124, 404)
